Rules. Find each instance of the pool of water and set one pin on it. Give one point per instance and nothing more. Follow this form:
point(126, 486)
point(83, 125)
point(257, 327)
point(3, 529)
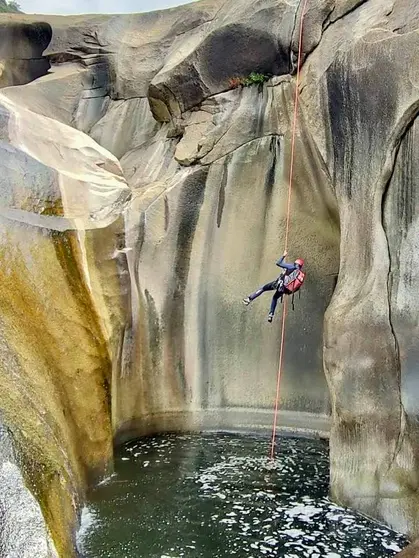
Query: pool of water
point(220, 495)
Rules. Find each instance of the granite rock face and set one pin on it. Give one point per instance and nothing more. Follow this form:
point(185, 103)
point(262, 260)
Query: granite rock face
point(142, 198)
point(60, 218)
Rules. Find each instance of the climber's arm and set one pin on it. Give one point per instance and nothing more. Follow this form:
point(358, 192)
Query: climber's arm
point(284, 265)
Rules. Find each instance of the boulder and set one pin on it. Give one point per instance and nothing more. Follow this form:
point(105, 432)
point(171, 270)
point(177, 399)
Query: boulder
point(239, 41)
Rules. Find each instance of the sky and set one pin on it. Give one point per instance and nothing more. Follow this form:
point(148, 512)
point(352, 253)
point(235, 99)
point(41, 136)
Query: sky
point(95, 6)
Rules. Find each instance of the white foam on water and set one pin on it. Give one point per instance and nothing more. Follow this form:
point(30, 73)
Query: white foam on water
point(88, 522)
point(303, 512)
point(391, 546)
point(293, 533)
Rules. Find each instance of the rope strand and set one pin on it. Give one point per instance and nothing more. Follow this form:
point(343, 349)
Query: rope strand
point(284, 312)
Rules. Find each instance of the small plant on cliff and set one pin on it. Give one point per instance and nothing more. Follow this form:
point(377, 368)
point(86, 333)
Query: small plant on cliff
point(255, 78)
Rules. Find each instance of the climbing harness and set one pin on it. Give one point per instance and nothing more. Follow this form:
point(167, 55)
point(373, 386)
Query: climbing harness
point(284, 313)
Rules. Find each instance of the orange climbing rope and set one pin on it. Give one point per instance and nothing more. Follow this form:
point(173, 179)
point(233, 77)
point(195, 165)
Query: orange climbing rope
point(284, 313)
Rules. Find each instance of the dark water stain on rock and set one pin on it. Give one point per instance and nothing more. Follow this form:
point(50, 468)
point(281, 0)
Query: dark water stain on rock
point(153, 331)
point(403, 181)
point(190, 200)
point(205, 298)
point(166, 213)
point(274, 149)
point(361, 114)
point(222, 194)
point(140, 238)
point(24, 40)
point(400, 207)
point(21, 47)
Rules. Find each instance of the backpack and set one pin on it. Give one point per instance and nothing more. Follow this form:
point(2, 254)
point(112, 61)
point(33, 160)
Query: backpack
point(294, 281)
point(291, 283)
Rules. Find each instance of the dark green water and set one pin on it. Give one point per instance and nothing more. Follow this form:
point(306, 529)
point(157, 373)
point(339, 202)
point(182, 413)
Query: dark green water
point(219, 495)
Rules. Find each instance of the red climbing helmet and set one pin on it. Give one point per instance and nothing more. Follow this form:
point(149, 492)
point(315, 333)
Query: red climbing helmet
point(299, 262)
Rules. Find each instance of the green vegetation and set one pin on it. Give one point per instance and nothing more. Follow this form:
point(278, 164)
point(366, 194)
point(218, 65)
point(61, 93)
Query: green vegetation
point(255, 78)
point(9, 6)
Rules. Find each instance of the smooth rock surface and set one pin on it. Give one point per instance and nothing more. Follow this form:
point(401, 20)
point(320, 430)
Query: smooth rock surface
point(61, 200)
point(208, 235)
point(372, 102)
point(23, 532)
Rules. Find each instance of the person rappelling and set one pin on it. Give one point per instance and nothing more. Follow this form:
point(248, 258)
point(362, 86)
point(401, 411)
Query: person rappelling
point(288, 283)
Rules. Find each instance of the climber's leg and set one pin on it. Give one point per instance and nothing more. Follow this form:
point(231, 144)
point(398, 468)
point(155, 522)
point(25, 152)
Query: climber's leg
point(277, 295)
point(268, 287)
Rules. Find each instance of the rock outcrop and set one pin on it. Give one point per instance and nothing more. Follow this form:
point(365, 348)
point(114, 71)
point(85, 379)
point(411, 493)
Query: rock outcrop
point(142, 198)
point(21, 51)
point(372, 100)
point(62, 196)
